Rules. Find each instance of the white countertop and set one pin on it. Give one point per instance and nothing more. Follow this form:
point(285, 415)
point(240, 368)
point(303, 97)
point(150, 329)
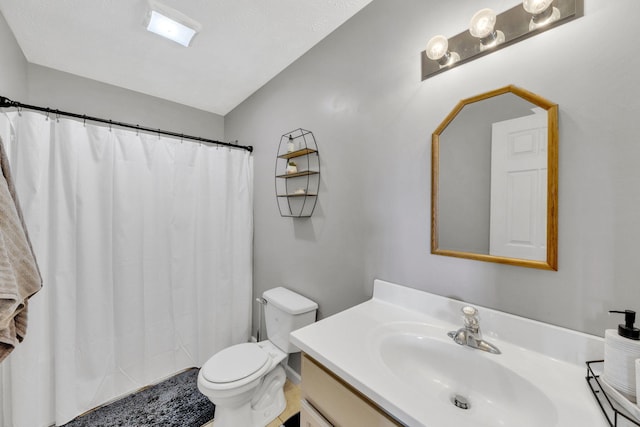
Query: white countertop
point(550, 357)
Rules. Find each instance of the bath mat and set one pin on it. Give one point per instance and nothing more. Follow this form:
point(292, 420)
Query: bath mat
point(294, 421)
point(175, 402)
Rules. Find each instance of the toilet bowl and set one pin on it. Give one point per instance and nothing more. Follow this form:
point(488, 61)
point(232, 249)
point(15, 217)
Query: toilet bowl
point(239, 377)
point(245, 381)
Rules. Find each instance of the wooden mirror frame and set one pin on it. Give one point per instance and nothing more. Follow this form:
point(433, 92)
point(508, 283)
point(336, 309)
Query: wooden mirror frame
point(551, 263)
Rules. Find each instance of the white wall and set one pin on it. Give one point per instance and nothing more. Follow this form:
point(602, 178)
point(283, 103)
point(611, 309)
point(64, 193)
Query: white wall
point(360, 92)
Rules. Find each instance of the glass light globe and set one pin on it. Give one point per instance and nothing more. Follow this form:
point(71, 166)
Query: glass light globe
point(536, 7)
point(438, 50)
point(542, 13)
point(437, 47)
point(482, 23)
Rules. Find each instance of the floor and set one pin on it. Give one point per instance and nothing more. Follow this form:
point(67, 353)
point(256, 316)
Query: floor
point(292, 394)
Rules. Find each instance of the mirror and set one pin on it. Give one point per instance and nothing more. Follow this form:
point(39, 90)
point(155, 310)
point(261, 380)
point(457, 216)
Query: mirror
point(494, 180)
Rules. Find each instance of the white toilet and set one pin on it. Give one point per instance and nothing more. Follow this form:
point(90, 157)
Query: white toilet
point(245, 381)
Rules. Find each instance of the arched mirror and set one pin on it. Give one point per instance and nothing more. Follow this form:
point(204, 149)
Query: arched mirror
point(494, 180)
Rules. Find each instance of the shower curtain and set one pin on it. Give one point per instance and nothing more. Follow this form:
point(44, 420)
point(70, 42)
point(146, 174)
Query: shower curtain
point(145, 247)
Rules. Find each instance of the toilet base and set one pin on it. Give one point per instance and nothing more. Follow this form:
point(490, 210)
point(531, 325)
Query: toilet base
point(263, 417)
point(268, 402)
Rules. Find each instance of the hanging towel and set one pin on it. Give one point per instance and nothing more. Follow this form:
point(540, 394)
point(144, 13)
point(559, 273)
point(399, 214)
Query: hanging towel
point(19, 274)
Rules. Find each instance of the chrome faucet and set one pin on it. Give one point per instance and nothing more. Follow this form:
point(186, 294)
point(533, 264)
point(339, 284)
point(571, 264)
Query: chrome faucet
point(470, 334)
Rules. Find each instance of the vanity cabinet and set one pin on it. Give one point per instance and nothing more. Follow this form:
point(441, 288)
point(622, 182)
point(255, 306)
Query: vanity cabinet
point(333, 402)
point(297, 174)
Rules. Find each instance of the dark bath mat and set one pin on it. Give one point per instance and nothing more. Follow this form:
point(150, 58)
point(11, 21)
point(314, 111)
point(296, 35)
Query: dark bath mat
point(294, 421)
point(175, 402)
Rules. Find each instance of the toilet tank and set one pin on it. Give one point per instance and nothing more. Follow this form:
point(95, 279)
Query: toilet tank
point(285, 312)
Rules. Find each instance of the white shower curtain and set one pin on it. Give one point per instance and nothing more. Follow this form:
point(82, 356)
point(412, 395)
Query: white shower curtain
point(145, 248)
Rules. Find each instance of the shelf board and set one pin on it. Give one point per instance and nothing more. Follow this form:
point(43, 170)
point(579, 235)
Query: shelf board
point(297, 174)
point(297, 195)
point(297, 153)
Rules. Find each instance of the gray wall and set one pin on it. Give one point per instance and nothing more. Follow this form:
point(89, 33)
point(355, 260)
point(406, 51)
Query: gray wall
point(359, 91)
point(63, 91)
point(13, 71)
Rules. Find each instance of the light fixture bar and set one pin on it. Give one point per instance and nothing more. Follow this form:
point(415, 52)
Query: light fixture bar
point(515, 24)
point(171, 24)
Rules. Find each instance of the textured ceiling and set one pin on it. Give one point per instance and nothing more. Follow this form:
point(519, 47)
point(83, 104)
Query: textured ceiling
point(243, 43)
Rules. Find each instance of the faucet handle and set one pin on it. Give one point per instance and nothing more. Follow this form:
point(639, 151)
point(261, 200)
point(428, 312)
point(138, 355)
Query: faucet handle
point(469, 311)
point(470, 316)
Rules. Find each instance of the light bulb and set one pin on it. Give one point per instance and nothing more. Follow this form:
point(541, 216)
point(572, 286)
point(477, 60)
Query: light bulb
point(541, 12)
point(438, 50)
point(437, 47)
point(482, 26)
point(535, 7)
point(482, 23)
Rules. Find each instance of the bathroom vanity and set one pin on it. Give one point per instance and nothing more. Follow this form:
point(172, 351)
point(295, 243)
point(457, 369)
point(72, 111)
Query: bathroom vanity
point(330, 399)
point(389, 362)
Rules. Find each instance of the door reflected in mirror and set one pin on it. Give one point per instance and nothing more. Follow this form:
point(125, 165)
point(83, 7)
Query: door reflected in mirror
point(494, 180)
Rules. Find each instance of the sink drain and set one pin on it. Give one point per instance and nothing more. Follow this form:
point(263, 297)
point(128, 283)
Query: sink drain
point(460, 401)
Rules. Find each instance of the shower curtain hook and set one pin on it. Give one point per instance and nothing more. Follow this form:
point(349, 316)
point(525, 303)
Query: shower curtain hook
point(47, 118)
point(57, 116)
point(137, 130)
point(84, 120)
point(159, 133)
point(110, 123)
point(19, 111)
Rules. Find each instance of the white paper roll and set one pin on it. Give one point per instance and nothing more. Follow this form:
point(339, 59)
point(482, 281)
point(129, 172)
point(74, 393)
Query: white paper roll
point(620, 356)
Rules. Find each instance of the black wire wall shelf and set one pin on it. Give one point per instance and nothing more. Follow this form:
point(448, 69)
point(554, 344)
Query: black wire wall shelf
point(613, 411)
point(297, 174)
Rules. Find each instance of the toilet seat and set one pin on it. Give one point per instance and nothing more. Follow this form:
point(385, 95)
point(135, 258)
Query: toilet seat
point(235, 366)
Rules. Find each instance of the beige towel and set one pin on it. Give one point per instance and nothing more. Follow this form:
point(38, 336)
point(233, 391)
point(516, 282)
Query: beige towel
point(19, 274)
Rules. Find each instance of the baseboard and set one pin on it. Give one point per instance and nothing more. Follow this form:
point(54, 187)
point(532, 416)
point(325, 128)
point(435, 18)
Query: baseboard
point(292, 375)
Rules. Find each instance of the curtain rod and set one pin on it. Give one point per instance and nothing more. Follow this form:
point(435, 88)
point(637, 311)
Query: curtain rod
point(7, 103)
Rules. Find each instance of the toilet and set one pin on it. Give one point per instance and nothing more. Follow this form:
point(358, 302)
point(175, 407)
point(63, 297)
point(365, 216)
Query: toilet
point(245, 381)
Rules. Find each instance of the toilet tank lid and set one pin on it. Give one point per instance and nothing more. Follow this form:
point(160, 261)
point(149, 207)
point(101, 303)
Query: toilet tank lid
point(289, 301)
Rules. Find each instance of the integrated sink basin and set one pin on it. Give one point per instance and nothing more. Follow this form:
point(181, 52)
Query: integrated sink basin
point(395, 351)
point(460, 381)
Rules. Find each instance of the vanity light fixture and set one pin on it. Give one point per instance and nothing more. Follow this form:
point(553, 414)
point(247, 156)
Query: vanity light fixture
point(171, 24)
point(482, 26)
point(542, 12)
point(438, 50)
point(489, 31)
